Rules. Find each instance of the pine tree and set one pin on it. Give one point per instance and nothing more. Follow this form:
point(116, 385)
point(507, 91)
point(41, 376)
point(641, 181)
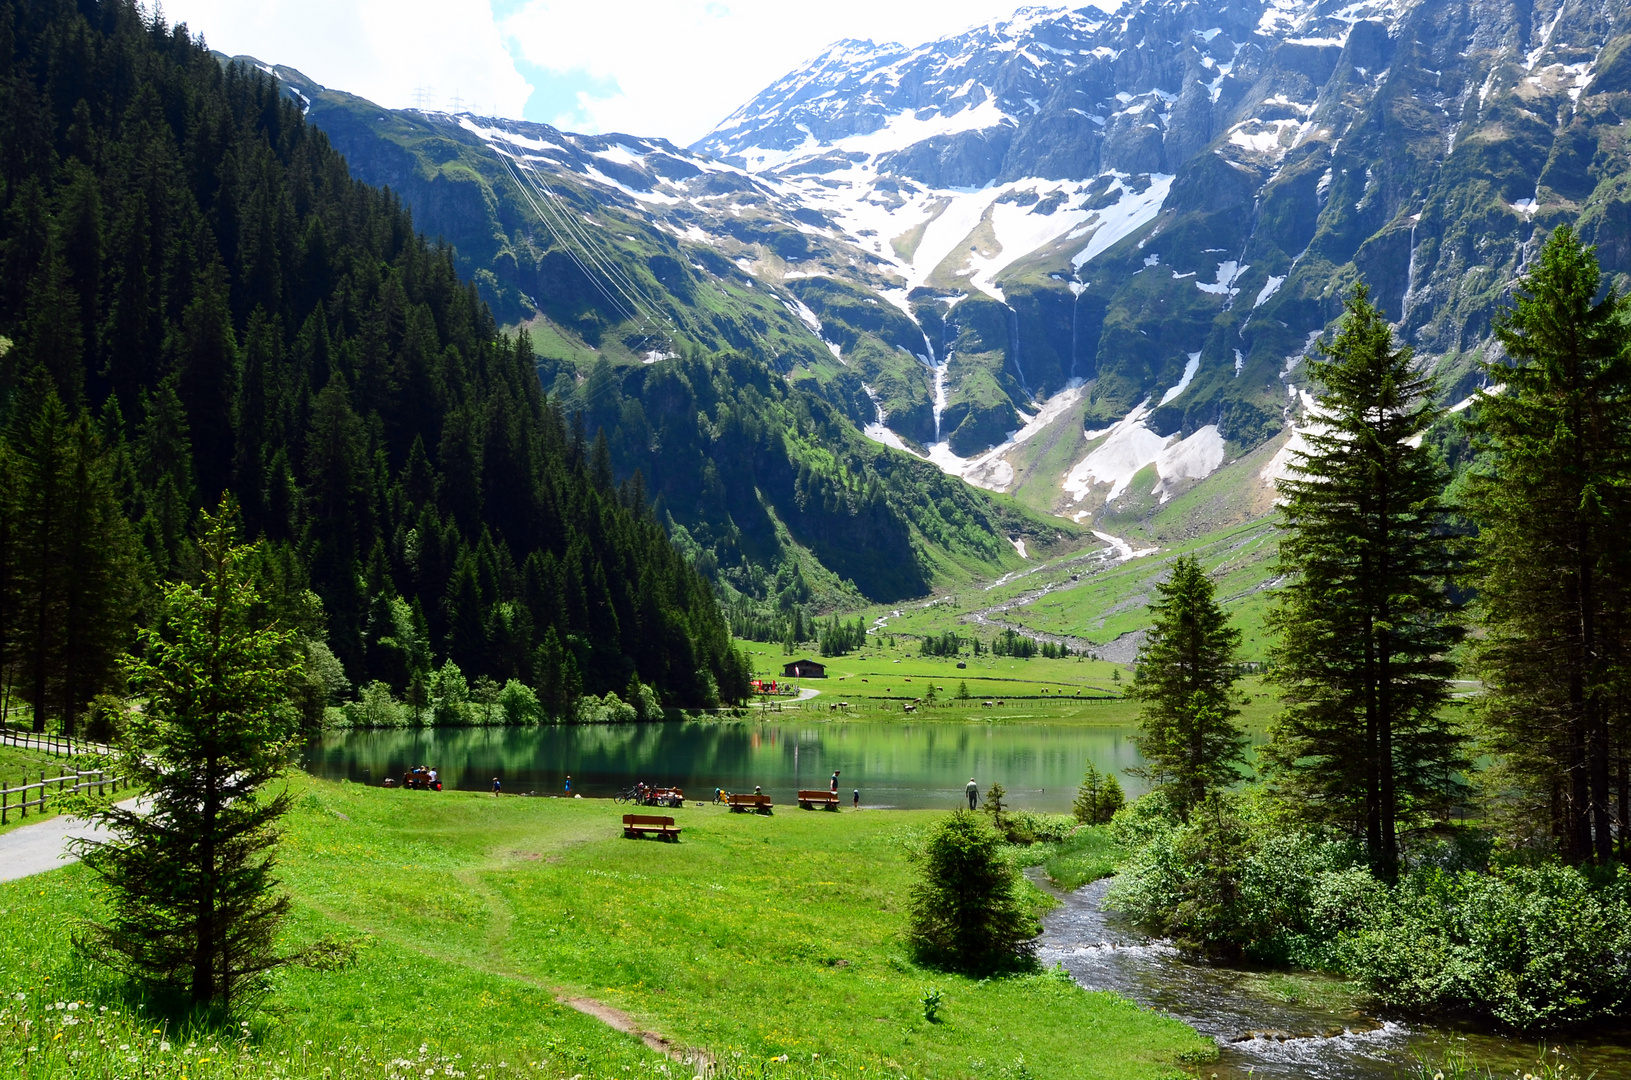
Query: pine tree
point(1553, 567)
point(44, 464)
point(1185, 681)
point(99, 584)
point(966, 911)
point(1367, 620)
point(194, 903)
point(1098, 797)
point(10, 597)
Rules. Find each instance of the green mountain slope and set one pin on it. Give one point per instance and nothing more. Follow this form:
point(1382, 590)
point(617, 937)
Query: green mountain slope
point(207, 301)
point(757, 457)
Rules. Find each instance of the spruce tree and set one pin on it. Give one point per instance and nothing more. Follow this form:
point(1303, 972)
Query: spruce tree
point(1098, 797)
point(966, 911)
point(1367, 619)
point(194, 904)
point(1553, 567)
point(1185, 683)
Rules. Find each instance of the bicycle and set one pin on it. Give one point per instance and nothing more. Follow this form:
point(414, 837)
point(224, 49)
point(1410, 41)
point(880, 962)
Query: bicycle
point(627, 795)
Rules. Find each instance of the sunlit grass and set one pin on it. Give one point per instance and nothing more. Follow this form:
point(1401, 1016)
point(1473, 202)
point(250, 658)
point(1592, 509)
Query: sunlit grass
point(473, 918)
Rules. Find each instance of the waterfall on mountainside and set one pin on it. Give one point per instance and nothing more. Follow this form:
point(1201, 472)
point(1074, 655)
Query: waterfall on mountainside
point(1013, 349)
point(1076, 289)
point(1409, 276)
point(938, 367)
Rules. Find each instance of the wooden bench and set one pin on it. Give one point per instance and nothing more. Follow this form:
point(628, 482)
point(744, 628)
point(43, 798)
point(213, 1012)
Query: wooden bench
point(757, 803)
point(809, 800)
point(665, 796)
point(638, 825)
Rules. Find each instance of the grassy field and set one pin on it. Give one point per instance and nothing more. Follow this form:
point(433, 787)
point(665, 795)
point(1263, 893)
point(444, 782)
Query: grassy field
point(475, 918)
point(878, 681)
point(18, 764)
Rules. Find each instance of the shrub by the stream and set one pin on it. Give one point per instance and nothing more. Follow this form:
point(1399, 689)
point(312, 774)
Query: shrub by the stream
point(967, 913)
point(1529, 947)
point(1030, 827)
point(1231, 885)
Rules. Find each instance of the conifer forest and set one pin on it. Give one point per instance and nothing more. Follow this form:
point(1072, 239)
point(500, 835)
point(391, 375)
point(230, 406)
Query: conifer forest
point(199, 300)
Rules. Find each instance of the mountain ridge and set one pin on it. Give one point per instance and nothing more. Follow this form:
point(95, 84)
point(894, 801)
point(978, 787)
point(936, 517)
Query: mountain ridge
point(1076, 257)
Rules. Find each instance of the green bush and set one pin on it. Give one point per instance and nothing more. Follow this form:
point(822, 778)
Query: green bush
point(519, 703)
point(610, 709)
point(1232, 885)
point(967, 913)
point(1030, 827)
point(1530, 947)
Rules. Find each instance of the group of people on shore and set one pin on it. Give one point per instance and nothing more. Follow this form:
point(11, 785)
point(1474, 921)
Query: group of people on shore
point(422, 777)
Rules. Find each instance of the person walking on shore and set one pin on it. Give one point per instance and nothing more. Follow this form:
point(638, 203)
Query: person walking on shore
point(835, 781)
point(973, 791)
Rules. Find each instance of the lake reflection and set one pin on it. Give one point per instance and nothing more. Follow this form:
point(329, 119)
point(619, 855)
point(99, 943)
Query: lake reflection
point(917, 765)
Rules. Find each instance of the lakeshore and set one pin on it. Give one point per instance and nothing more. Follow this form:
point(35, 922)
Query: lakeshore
point(477, 922)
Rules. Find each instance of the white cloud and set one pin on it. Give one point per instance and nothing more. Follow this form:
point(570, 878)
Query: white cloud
point(684, 65)
point(383, 50)
point(672, 68)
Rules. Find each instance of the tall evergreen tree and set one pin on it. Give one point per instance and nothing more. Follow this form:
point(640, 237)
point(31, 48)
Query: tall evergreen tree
point(1185, 684)
point(195, 906)
point(71, 583)
point(1553, 565)
point(1367, 619)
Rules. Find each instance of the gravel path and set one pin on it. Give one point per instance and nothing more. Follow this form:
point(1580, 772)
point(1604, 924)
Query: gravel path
point(34, 849)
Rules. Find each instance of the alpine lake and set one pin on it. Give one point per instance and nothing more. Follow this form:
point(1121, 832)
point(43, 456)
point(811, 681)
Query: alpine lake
point(1295, 1026)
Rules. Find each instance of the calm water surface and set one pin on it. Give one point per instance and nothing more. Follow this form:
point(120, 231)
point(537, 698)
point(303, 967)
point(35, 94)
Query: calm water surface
point(894, 765)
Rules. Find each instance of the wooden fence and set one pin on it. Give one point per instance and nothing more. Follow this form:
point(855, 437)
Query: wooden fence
point(65, 746)
point(66, 784)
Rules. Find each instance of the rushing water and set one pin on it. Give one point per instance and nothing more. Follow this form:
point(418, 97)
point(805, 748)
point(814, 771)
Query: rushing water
point(1268, 1035)
point(893, 764)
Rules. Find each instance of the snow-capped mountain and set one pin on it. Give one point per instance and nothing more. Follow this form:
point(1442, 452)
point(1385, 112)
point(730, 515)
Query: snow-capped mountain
point(1072, 254)
point(1169, 201)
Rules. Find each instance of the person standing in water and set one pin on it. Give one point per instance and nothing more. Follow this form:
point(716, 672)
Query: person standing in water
point(973, 791)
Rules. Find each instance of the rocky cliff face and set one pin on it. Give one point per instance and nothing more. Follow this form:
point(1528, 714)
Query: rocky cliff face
point(1167, 203)
point(1075, 255)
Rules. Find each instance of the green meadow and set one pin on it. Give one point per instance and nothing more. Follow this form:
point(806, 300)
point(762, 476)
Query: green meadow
point(473, 922)
point(878, 681)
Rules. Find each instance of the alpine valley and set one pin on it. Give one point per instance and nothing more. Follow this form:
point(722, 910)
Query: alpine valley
point(1075, 258)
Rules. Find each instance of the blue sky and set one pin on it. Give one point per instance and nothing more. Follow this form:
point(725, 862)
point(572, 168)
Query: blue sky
point(669, 68)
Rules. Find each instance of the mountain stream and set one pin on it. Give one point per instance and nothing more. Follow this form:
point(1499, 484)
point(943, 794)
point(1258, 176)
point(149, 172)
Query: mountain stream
point(1272, 1026)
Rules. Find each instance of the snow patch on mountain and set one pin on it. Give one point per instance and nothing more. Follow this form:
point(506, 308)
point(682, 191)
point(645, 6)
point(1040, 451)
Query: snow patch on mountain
point(1129, 446)
point(992, 470)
